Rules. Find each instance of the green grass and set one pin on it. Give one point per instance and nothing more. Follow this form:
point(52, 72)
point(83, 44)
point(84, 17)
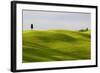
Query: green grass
point(55, 45)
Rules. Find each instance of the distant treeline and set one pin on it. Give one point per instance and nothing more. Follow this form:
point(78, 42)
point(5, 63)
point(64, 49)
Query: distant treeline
point(84, 29)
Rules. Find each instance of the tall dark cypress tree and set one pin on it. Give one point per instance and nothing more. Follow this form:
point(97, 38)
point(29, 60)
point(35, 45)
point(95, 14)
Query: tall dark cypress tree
point(31, 26)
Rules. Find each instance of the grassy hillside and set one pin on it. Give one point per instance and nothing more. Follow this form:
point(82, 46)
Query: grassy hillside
point(55, 45)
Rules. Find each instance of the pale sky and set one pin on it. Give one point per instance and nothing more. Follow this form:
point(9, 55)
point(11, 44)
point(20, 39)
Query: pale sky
point(44, 20)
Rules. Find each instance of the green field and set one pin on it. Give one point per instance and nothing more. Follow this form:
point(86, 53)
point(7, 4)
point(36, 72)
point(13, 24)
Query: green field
point(55, 45)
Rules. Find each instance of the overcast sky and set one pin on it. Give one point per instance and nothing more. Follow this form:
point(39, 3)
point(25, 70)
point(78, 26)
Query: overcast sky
point(44, 20)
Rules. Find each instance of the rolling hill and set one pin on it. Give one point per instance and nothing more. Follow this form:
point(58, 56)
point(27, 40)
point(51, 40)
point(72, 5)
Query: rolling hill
point(55, 45)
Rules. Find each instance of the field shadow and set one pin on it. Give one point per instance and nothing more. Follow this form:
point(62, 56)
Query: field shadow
point(47, 52)
point(57, 37)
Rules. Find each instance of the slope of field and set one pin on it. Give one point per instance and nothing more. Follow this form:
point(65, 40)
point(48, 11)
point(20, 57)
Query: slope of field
point(55, 45)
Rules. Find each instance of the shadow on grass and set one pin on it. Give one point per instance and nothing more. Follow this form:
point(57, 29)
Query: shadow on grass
point(46, 52)
point(57, 37)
